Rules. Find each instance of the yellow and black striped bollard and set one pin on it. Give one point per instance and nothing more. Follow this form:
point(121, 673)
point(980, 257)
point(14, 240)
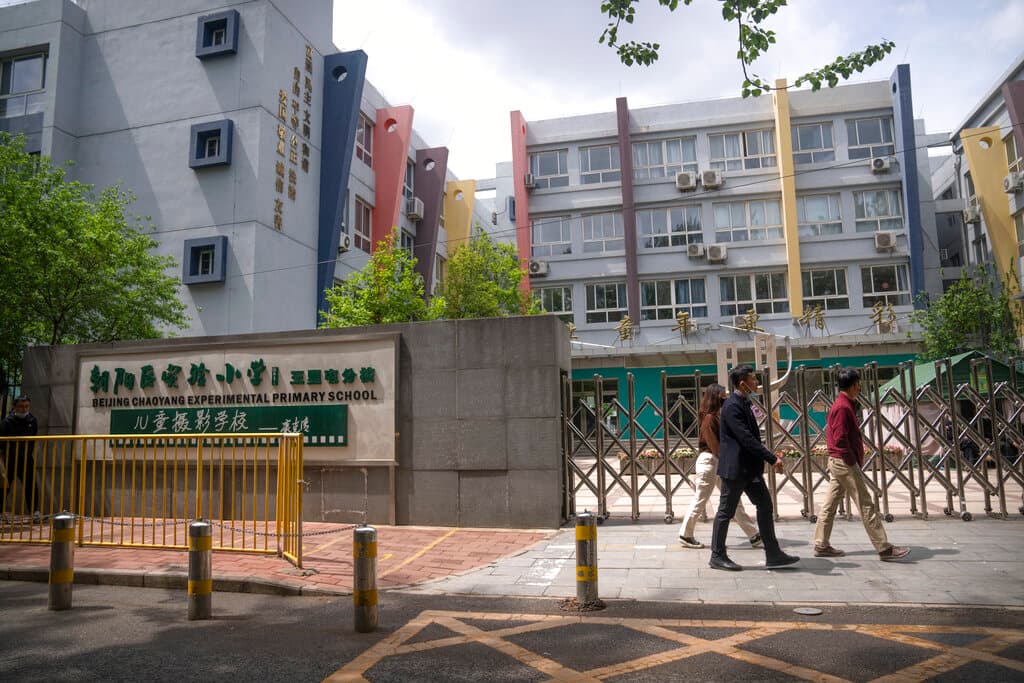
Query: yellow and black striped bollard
point(586, 559)
point(62, 561)
point(200, 570)
point(364, 570)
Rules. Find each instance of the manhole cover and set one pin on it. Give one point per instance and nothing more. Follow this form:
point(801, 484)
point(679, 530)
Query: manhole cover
point(808, 611)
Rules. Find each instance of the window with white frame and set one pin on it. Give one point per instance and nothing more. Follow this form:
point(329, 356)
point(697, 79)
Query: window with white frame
point(759, 219)
point(1013, 155)
point(440, 209)
point(747, 150)
point(556, 300)
point(410, 172)
point(600, 164)
point(22, 79)
point(818, 214)
point(663, 299)
point(664, 158)
point(440, 268)
point(408, 241)
point(551, 236)
point(764, 292)
point(672, 227)
point(888, 284)
point(826, 287)
point(603, 232)
point(364, 140)
point(362, 228)
point(869, 138)
point(1018, 221)
point(606, 302)
point(878, 210)
point(812, 143)
point(550, 169)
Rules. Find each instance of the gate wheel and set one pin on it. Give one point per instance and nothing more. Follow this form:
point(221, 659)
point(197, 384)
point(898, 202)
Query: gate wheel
point(966, 516)
point(949, 513)
point(812, 518)
point(1021, 509)
point(669, 519)
point(889, 518)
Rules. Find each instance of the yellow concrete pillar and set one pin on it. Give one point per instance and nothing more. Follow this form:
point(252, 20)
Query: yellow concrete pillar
point(458, 212)
point(986, 160)
point(790, 230)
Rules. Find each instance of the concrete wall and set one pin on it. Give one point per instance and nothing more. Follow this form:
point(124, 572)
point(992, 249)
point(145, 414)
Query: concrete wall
point(478, 420)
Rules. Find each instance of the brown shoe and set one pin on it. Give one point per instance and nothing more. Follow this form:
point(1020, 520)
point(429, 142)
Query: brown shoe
point(828, 551)
point(894, 553)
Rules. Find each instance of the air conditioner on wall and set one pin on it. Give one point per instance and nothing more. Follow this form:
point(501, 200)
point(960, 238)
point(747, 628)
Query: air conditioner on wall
point(695, 250)
point(344, 243)
point(538, 268)
point(711, 179)
point(881, 165)
point(414, 209)
point(885, 240)
point(972, 214)
point(528, 181)
point(686, 181)
point(1013, 183)
point(717, 253)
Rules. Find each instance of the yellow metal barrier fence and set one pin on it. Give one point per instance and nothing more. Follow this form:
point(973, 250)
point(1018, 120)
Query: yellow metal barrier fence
point(143, 490)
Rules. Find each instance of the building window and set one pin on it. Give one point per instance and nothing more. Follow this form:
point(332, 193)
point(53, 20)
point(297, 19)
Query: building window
point(818, 215)
point(364, 140)
point(664, 158)
point(674, 227)
point(764, 292)
point(205, 260)
point(663, 299)
point(440, 267)
point(826, 288)
point(556, 300)
point(210, 144)
point(754, 220)
point(550, 169)
point(600, 164)
point(21, 85)
point(407, 241)
point(747, 150)
point(870, 137)
point(1018, 222)
point(812, 143)
point(551, 237)
point(217, 34)
point(888, 284)
point(409, 186)
point(878, 210)
point(603, 232)
point(440, 210)
point(362, 228)
point(1013, 156)
point(606, 302)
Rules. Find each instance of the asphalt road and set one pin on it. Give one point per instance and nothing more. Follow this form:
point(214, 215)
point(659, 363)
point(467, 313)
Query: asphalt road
point(136, 634)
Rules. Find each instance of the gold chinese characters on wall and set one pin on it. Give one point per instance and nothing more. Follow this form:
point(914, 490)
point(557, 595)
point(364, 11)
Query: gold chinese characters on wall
point(294, 124)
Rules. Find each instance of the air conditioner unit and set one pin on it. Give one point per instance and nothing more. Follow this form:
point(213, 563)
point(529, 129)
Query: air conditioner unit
point(717, 253)
point(344, 243)
point(695, 250)
point(880, 165)
point(538, 268)
point(528, 181)
point(686, 181)
point(414, 209)
point(972, 214)
point(885, 240)
point(711, 179)
point(1013, 183)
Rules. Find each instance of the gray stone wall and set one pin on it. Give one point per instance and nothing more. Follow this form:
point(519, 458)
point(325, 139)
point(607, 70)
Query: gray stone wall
point(477, 413)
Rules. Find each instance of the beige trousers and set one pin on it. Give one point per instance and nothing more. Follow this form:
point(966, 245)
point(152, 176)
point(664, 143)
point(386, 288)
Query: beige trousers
point(706, 481)
point(849, 480)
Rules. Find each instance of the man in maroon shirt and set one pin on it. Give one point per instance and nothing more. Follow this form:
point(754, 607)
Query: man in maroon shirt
point(846, 457)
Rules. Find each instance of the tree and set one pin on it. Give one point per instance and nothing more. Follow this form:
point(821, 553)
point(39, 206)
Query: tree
point(387, 290)
point(483, 282)
point(75, 267)
point(754, 41)
point(970, 316)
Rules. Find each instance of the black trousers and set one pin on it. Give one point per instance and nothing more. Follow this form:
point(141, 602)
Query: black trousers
point(20, 464)
point(757, 492)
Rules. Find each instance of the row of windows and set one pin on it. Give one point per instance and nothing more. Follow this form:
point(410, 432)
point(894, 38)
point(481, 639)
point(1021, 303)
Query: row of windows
point(745, 150)
point(763, 292)
point(739, 221)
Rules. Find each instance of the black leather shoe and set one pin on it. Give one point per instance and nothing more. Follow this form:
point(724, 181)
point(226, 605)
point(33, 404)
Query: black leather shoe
point(724, 563)
point(780, 560)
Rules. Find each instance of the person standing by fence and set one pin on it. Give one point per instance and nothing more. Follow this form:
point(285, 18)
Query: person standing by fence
point(706, 478)
point(846, 458)
point(18, 460)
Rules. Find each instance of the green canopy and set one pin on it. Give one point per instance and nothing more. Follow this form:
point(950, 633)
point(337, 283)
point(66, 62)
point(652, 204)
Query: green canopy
point(924, 374)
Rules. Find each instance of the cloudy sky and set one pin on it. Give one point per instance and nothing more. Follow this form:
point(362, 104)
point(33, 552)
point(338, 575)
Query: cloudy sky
point(464, 66)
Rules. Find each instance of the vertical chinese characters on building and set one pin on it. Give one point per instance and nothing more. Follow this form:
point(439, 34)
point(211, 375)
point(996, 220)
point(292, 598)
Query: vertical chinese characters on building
point(294, 127)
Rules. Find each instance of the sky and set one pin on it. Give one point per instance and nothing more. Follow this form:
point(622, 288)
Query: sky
point(463, 66)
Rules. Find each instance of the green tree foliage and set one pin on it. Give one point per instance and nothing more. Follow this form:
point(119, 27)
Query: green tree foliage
point(483, 282)
point(754, 41)
point(74, 267)
point(387, 290)
point(971, 315)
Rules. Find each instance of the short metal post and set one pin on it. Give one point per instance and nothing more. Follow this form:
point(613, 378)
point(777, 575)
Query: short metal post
point(200, 570)
point(62, 571)
point(586, 559)
point(364, 588)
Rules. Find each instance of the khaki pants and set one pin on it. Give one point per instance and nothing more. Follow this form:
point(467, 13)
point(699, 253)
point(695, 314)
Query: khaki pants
point(849, 480)
point(706, 480)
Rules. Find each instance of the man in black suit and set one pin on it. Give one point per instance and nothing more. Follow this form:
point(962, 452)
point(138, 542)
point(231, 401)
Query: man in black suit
point(741, 460)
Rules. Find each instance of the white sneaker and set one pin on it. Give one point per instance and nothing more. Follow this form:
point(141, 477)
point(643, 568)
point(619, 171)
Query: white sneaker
point(690, 542)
